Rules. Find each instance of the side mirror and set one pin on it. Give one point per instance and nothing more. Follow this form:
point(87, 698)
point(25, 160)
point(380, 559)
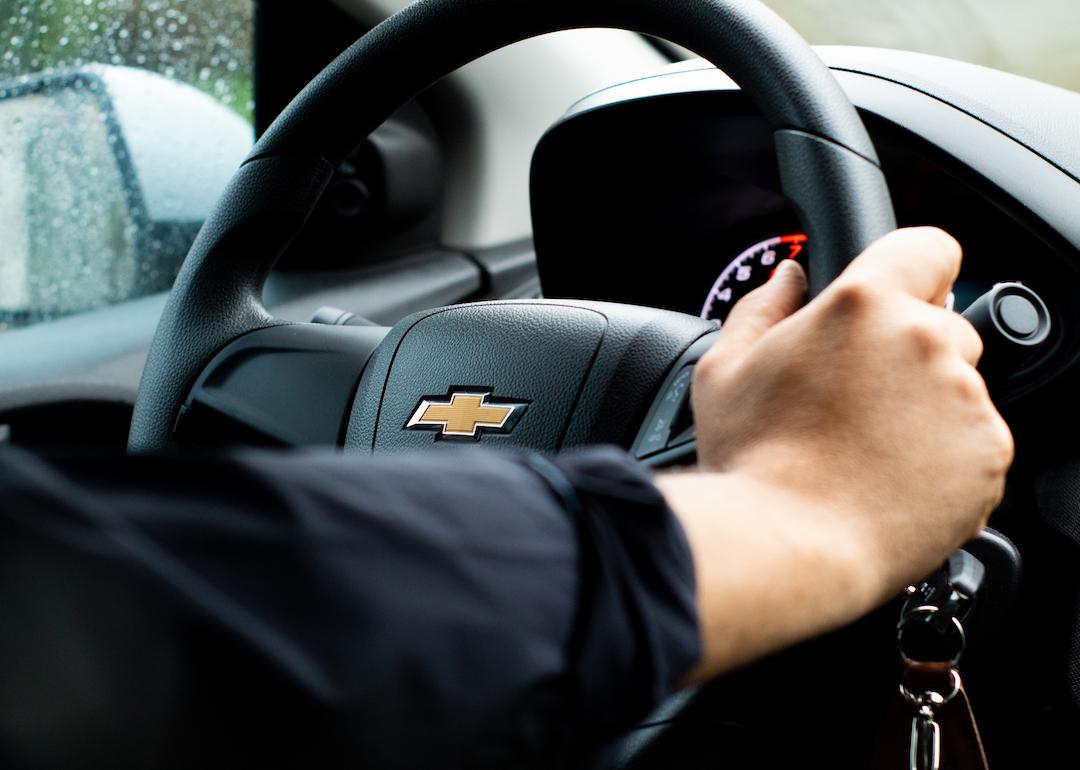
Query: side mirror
point(106, 175)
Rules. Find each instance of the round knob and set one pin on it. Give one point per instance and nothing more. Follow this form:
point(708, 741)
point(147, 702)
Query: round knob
point(1013, 322)
point(1018, 315)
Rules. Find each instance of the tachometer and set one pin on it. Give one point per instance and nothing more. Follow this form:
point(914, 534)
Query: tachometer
point(749, 270)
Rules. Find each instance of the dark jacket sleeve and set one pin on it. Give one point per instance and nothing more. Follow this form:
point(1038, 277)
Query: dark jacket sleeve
point(474, 610)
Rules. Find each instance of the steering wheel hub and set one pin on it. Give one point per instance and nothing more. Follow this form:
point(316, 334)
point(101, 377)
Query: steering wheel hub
point(537, 374)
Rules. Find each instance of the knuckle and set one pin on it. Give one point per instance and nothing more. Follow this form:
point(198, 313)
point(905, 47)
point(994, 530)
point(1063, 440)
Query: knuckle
point(852, 298)
point(942, 250)
point(974, 341)
point(967, 384)
point(948, 248)
point(998, 448)
point(925, 336)
point(1005, 443)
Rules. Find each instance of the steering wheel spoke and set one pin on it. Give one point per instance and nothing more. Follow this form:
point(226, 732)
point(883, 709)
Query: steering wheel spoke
point(279, 386)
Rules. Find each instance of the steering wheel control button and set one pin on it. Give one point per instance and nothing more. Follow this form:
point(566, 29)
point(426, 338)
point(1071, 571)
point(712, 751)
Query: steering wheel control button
point(666, 413)
point(666, 436)
point(1013, 322)
point(680, 389)
point(656, 439)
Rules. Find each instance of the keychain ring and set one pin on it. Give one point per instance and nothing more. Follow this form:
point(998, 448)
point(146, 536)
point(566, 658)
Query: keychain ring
point(925, 613)
point(932, 697)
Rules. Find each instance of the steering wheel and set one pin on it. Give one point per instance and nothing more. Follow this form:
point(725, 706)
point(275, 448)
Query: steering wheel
point(542, 374)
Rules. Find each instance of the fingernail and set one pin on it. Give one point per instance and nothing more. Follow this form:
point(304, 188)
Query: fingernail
point(784, 266)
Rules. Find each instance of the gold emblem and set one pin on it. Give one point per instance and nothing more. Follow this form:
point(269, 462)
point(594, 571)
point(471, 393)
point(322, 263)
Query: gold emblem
point(466, 414)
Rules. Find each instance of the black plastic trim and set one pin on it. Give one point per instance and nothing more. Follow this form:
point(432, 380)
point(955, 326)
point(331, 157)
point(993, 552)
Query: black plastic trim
point(291, 385)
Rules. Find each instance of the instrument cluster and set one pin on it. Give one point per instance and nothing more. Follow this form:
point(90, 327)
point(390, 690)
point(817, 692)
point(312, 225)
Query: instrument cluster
point(676, 203)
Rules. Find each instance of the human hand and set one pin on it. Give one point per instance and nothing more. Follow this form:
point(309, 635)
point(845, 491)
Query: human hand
point(863, 407)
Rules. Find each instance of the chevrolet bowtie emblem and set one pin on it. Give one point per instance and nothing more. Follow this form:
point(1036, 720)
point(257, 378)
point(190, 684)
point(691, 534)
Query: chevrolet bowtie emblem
point(466, 413)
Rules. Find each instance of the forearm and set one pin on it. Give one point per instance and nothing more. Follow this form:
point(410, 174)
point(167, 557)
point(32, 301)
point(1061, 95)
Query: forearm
point(772, 570)
point(473, 609)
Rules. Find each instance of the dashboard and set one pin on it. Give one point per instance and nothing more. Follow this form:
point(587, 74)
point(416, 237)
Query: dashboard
point(666, 196)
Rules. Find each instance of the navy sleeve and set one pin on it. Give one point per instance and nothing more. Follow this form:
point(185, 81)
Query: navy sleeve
point(475, 610)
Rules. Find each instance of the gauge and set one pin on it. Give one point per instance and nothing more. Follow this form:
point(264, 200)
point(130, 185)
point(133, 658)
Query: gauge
point(749, 270)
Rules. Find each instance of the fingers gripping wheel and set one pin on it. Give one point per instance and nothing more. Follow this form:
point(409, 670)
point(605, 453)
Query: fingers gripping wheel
point(828, 164)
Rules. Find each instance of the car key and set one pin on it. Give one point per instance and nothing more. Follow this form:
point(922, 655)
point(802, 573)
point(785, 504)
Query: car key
point(931, 642)
point(953, 589)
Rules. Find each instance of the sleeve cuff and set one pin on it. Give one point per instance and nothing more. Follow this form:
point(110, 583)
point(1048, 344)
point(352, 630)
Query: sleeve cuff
point(636, 632)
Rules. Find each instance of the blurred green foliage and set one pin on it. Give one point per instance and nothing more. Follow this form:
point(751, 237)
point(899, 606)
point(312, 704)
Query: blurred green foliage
point(206, 43)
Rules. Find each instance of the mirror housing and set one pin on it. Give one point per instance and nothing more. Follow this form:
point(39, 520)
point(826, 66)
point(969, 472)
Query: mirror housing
point(106, 175)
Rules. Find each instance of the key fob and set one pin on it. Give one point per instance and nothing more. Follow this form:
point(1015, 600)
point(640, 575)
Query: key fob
point(953, 589)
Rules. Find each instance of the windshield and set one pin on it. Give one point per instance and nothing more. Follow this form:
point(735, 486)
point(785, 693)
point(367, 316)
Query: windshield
point(1039, 39)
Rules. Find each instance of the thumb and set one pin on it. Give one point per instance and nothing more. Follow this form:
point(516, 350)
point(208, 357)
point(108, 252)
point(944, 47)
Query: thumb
point(764, 307)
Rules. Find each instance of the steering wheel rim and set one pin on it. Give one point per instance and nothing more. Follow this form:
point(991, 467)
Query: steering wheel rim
point(829, 169)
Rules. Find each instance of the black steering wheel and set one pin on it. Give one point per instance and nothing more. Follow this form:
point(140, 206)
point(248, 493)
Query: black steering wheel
point(538, 374)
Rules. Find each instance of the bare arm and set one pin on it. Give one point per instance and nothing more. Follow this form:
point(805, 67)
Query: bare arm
point(764, 560)
point(846, 449)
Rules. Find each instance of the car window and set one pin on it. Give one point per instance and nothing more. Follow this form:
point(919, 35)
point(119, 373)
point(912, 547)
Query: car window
point(120, 123)
point(1037, 39)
